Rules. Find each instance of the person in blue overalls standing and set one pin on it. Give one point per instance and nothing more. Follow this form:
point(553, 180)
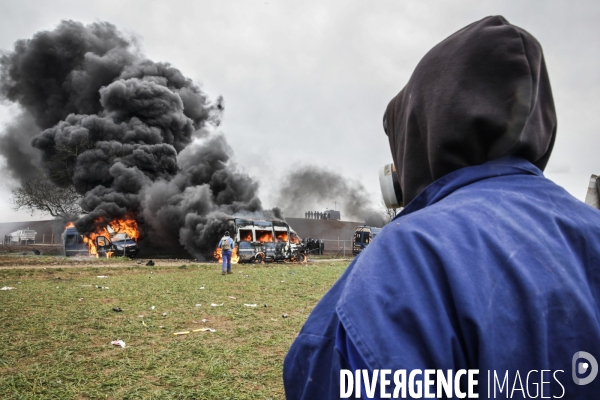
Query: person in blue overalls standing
point(489, 268)
point(226, 245)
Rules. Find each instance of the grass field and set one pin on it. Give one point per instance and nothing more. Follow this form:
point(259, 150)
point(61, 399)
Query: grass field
point(56, 327)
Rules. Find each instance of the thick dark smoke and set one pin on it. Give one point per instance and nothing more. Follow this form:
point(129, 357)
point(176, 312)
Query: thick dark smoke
point(21, 160)
point(311, 188)
point(134, 137)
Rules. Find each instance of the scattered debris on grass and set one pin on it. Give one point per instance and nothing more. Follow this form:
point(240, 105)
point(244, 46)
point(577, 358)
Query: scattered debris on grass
point(231, 297)
point(250, 305)
point(216, 305)
point(102, 276)
point(118, 343)
point(198, 305)
point(284, 316)
point(164, 314)
point(8, 288)
point(117, 309)
point(150, 263)
point(152, 308)
point(195, 330)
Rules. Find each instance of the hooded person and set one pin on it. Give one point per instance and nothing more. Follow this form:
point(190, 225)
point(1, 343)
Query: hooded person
point(490, 269)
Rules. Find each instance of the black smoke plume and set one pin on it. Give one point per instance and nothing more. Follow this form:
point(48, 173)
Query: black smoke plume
point(310, 188)
point(134, 137)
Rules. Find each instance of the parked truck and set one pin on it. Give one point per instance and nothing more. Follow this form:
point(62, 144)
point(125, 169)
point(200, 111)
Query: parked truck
point(22, 236)
point(265, 241)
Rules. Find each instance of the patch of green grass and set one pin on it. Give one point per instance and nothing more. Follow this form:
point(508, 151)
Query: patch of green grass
point(57, 327)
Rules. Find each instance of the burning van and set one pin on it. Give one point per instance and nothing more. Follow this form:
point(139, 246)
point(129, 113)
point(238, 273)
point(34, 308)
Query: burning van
point(108, 244)
point(74, 243)
point(263, 241)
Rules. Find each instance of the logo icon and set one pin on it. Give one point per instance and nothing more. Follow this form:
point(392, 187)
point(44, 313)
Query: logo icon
point(583, 367)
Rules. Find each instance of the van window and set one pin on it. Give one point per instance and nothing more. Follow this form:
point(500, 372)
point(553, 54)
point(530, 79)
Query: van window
point(294, 238)
point(70, 239)
point(264, 236)
point(245, 235)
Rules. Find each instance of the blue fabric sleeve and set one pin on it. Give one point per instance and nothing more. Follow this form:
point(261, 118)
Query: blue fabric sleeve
point(352, 359)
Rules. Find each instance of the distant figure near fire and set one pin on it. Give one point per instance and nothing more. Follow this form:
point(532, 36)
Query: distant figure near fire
point(226, 245)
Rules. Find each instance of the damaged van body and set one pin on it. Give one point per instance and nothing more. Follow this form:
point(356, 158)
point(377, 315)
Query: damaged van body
point(265, 241)
point(363, 235)
point(74, 244)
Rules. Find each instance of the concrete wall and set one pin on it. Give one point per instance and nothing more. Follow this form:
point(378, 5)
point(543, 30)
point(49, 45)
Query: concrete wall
point(319, 229)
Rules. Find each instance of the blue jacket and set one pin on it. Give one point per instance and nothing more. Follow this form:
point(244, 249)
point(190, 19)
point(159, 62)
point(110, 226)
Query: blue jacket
point(491, 267)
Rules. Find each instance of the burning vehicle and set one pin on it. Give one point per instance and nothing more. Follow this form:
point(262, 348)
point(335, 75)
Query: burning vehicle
point(363, 235)
point(259, 241)
point(118, 238)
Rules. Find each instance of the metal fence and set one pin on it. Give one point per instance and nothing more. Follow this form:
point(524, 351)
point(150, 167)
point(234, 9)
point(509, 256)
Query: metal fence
point(39, 240)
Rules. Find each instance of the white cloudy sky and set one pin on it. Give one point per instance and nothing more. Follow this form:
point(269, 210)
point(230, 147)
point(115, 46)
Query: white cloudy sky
point(307, 82)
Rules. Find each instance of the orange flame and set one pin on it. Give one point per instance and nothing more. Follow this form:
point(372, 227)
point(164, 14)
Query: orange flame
point(295, 239)
point(127, 225)
point(245, 235)
point(281, 236)
point(264, 236)
point(219, 257)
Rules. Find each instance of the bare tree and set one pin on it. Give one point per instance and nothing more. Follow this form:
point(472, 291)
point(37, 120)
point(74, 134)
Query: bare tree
point(41, 195)
point(62, 163)
point(388, 213)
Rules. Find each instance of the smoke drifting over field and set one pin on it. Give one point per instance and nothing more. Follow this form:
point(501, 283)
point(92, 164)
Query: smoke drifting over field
point(310, 187)
point(134, 137)
point(137, 139)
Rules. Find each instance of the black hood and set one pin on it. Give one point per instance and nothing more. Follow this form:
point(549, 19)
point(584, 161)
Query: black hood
point(481, 94)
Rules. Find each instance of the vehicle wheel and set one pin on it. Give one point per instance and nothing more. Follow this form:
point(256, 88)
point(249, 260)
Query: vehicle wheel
point(259, 258)
point(301, 258)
